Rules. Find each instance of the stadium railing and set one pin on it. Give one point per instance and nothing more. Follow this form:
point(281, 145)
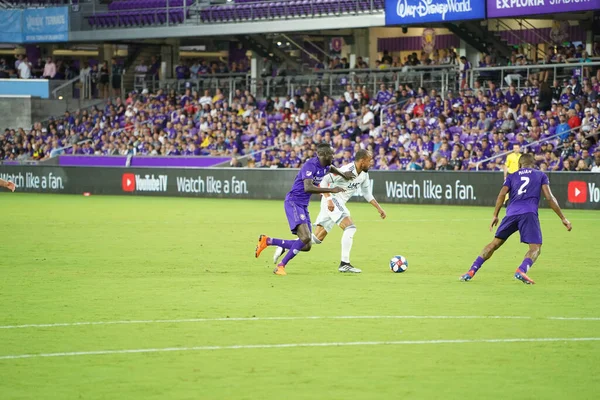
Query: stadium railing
point(526, 146)
point(521, 73)
point(334, 82)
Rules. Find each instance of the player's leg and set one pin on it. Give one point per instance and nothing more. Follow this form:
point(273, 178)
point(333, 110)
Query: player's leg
point(323, 225)
point(320, 233)
point(296, 216)
point(349, 229)
point(531, 233)
point(532, 254)
point(485, 255)
point(508, 226)
point(303, 242)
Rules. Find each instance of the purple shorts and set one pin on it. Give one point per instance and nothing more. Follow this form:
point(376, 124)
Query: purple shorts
point(527, 224)
point(296, 215)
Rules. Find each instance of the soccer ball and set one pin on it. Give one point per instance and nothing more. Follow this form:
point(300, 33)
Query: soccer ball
point(398, 264)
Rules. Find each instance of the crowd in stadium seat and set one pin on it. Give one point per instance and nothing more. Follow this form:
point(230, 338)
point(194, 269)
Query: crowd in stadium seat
point(410, 129)
point(423, 132)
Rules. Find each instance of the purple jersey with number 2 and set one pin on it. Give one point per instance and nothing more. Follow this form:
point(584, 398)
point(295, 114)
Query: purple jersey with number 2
point(525, 188)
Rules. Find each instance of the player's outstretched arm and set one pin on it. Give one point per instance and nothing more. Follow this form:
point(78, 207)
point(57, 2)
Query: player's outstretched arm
point(555, 207)
point(499, 202)
point(379, 209)
point(309, 187)
point(9, 185)
point(346, 175)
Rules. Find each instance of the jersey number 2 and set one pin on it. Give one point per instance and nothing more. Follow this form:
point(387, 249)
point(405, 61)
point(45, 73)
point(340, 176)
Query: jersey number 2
point(522, 189)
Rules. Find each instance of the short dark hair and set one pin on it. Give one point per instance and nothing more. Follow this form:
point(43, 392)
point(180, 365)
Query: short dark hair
point(526, 159)
point(322, 148)
point(360, 154)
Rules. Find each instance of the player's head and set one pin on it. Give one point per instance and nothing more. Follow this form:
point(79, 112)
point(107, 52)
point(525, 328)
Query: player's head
point(363, 160)
point(526, 161)
point(325, 154)
point(516, 148)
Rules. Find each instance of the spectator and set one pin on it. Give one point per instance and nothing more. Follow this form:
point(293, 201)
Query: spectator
point(117, 72)
point(49, 69)
point(596, 165)
point(574, 121)
point(141, 68)
point(24, 68)
point(103, 79)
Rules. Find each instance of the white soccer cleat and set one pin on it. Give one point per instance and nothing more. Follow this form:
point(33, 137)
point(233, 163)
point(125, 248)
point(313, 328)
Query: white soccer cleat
point(278, 253)
point(348, 268)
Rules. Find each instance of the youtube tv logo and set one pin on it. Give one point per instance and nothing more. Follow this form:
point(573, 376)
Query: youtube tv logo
point(582, 192)
point(128, 182)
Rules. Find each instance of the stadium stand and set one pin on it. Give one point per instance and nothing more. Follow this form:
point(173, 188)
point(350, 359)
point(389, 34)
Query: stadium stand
point(142, 13)
point(410, 128)
point(124, 13)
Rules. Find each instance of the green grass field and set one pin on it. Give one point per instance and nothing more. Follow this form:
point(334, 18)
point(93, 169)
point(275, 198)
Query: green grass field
point(184, 269)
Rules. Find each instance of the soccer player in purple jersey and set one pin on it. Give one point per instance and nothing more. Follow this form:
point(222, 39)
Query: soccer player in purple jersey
point(296, 205)
point(524, 187)
point(9, 185)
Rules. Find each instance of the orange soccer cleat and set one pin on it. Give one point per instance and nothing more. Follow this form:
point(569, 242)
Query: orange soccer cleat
point(280, 270)
point(262, 244)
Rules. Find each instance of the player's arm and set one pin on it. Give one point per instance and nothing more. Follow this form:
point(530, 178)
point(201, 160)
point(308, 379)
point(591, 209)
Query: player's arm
point(309, 187)
point(368, 195)
point(555, 207)
point(7, 184)
point(346, 175)
point(499, 202)
point(328, 181)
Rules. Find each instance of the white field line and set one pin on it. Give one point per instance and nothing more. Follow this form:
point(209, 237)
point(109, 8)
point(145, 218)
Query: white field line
point(293, 345)
point(305, 318)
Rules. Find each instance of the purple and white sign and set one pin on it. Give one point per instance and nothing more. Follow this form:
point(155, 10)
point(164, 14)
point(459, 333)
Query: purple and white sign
point(140, 161)
point(513, 8)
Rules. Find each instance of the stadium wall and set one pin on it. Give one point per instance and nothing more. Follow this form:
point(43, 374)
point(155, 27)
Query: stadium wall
point(573, 190)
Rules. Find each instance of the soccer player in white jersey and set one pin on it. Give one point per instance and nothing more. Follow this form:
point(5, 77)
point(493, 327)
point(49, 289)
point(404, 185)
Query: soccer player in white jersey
point(7, 184)
point(334, 210)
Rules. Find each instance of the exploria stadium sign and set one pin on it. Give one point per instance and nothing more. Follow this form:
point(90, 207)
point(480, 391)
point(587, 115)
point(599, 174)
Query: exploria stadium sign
point(405, 12)
point(511, 8)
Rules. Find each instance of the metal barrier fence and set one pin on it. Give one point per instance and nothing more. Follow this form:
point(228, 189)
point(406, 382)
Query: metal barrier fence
point(518, 75)
point(331, 82)
point(84, 87)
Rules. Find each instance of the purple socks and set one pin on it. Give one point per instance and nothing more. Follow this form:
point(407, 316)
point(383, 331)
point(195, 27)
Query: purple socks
point(525, 265)
point(286, 244)
point(477, 264)
point(295, 248)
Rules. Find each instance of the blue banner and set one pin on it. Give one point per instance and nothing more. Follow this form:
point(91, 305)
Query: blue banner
point(46, 24)
point(10, 26)
point(406, 12)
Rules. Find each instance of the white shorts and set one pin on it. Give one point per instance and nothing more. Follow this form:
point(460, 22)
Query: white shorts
point(328, 219)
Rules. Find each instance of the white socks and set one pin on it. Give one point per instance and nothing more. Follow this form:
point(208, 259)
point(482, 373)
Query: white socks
point(347, 237)
point(315, 240)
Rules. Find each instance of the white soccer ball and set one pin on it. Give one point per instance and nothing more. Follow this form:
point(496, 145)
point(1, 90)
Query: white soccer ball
point(398, 264)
